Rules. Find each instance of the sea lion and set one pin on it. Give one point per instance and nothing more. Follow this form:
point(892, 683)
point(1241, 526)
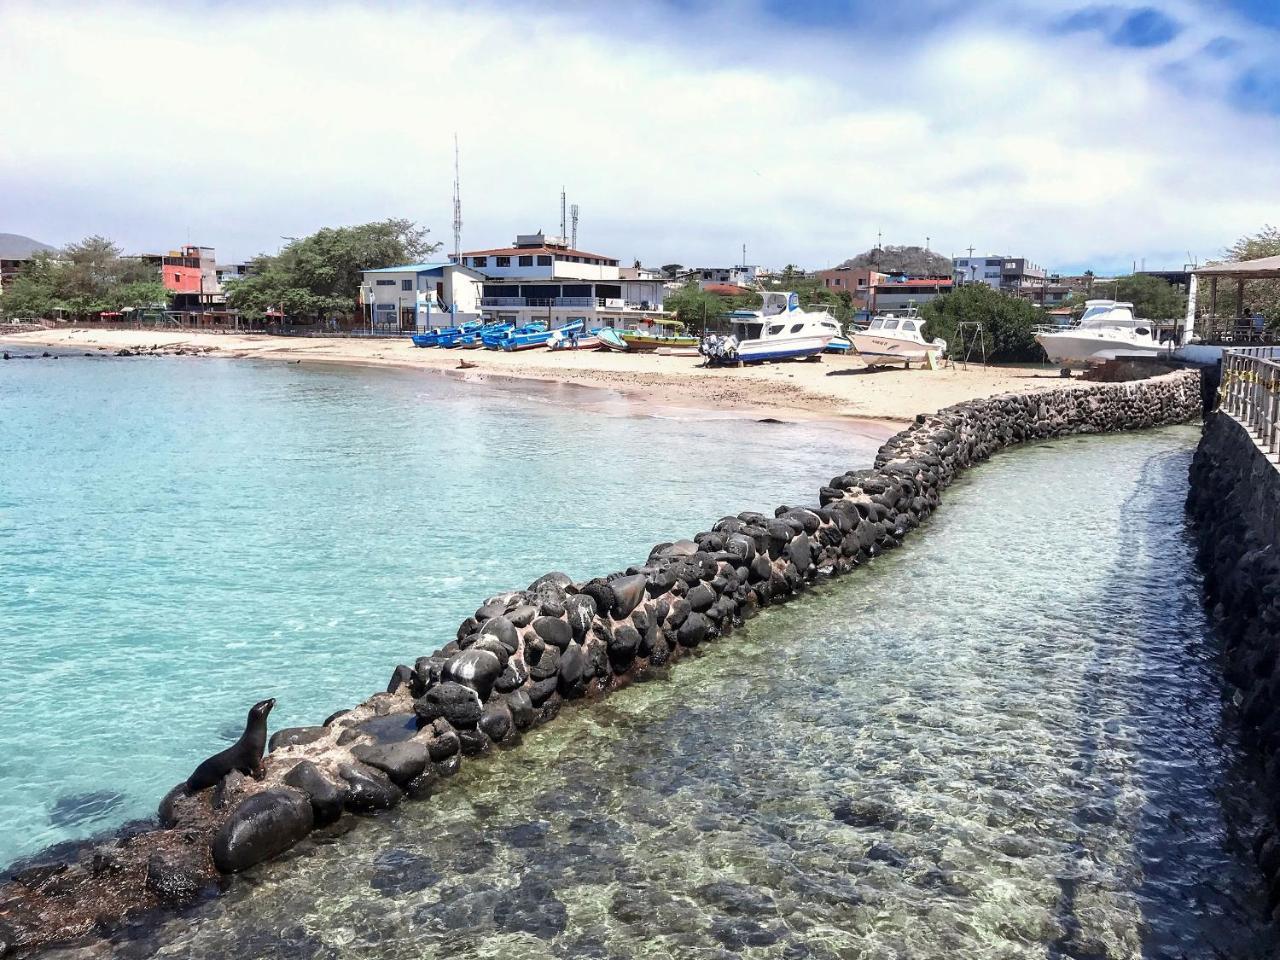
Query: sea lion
point(244, 755)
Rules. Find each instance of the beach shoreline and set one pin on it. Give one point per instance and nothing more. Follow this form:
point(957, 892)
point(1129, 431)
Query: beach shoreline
point(837, 389)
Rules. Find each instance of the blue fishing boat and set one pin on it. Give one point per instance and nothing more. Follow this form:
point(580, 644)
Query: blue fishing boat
point(449, 338)
point(475, 339)
point(527, 337)
point(497, 341)
point(429, 339)
point(611, 339)
point(839, 345)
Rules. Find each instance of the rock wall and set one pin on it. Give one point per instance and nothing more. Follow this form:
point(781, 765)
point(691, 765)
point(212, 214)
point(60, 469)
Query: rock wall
point(524, 653)
point(1234, 504)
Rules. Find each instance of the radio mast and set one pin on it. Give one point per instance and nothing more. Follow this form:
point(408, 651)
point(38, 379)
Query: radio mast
point(562, 233)
point(457, 205)
point(573, 219)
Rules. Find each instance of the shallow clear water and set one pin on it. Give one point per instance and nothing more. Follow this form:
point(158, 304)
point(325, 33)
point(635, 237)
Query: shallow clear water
point(180, 538)
point(1003, 740)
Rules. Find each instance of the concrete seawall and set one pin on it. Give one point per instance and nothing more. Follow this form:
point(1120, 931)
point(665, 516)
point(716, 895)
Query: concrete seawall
point(524, 653)
point(1235, 506)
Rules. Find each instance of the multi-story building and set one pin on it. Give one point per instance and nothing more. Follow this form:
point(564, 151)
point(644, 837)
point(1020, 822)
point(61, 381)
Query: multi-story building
point(15, 251)
point(856, 281)
point(419, 296)
point(896, 293)
point(1006, 274)
point(748, 275)
point(190, 274)
point(541, 278)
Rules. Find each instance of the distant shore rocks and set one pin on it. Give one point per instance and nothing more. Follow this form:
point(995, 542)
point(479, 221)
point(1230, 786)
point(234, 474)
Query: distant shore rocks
point(511, 665)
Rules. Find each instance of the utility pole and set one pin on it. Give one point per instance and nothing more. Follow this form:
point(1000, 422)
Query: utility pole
point(457, 206)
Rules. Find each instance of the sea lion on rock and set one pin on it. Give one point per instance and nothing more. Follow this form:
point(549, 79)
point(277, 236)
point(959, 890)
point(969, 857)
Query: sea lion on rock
point(244, 755)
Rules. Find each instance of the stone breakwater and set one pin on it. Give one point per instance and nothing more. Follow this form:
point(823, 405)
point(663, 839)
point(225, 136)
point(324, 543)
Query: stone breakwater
point(522, 654)
point(1234, 504)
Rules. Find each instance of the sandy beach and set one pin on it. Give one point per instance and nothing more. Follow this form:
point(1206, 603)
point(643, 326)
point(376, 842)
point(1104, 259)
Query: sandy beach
point(836, 387)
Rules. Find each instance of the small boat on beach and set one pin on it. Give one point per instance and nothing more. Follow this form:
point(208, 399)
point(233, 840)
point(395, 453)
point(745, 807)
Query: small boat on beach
point(430, 338)
point(894, 339)
point(573, 336)
point(841, 344)
point(610, 339)
point(451, 337)
point(662, 333)
point(475, 339)
point(780, 330)
point(522, 338)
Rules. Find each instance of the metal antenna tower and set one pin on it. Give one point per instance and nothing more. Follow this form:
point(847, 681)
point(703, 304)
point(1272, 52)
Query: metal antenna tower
point(457, 205)
point(562, 233)
point(573, 219)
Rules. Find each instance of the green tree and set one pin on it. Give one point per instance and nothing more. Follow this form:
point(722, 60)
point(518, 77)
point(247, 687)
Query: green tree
point(1008, 322)
point(672, 270)
point(318, 277)
point(1152, 297)
point(83, 280)
point(692, 306)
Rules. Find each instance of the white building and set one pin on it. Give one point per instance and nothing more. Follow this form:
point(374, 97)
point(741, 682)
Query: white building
point(541, 278)
point(419, 296)
point(750, 276)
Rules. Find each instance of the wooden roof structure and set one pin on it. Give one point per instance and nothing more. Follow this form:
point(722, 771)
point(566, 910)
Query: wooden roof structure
point(1264, 268)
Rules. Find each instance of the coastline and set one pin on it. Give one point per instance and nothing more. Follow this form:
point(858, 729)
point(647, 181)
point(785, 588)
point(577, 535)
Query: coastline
point(838, 389)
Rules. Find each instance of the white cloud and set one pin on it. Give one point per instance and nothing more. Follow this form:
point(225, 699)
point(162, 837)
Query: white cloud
point(681, 136)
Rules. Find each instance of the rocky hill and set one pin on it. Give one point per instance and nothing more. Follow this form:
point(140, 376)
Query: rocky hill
point(913, 261)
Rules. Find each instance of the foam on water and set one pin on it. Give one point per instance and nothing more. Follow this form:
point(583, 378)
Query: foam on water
point(180, 538)
point(1003, 740)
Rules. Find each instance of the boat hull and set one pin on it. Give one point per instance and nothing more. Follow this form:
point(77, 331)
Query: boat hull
point(779, 348)
point(648, 343)
point(1079, 351)
point(891, 350)
point(610, 340)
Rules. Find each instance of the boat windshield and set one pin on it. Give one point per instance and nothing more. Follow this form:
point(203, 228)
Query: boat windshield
point(876, 324)
point(908, 326)
point(891, 325)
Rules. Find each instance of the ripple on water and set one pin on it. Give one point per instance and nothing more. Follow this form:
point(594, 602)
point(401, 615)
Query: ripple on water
point(1001, 741)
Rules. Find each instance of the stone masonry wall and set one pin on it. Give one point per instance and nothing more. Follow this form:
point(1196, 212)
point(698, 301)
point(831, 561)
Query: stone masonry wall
point(523, 653)
point(1234, 503)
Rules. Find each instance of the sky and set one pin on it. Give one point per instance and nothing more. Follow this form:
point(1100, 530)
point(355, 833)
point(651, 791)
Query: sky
point(1079, 135)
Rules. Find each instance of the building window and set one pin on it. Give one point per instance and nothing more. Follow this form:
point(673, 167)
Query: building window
point(504, 261)
point(526, 261)
point(386, 283)
point(479, 261)
point(544, 261)
point(406, 285)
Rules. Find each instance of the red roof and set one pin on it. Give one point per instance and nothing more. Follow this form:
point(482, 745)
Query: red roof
point(526, 251)
point(726, 289)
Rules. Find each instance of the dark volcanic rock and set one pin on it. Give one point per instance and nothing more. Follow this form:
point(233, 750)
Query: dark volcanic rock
point(399, 761)
point(327, 796)
point(176, 880)
point(555, 632)
point(370, 789)
point(627, 594)
point(458, 704)
point(497, 722)
point(504, 630)
point(263, 826)
point(474, 668)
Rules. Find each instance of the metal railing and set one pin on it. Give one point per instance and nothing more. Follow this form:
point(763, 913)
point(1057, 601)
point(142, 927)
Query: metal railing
point(1250, 391)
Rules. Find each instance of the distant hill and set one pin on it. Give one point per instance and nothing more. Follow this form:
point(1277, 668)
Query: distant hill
point(14, 246)
point(913, 261)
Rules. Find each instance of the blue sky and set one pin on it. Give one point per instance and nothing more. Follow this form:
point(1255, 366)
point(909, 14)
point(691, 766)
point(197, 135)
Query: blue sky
point(1077, 134)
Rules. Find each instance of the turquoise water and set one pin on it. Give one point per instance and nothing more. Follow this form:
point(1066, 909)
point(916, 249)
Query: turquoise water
point(180, 538)
point(1002, 741)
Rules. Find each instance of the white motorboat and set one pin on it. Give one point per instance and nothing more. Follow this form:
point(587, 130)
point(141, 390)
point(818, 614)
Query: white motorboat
point(1107, 330)
point(780, 330)
point(893, 339)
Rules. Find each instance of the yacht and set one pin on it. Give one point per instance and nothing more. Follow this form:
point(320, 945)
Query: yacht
point(780, 330)
point(1107, 330)
point(890, 338)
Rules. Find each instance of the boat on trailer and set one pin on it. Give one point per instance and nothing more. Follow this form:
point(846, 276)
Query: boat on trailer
point(890, 338)
point(780, 330)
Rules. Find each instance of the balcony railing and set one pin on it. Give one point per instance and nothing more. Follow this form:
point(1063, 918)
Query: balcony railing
point(596, 303)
